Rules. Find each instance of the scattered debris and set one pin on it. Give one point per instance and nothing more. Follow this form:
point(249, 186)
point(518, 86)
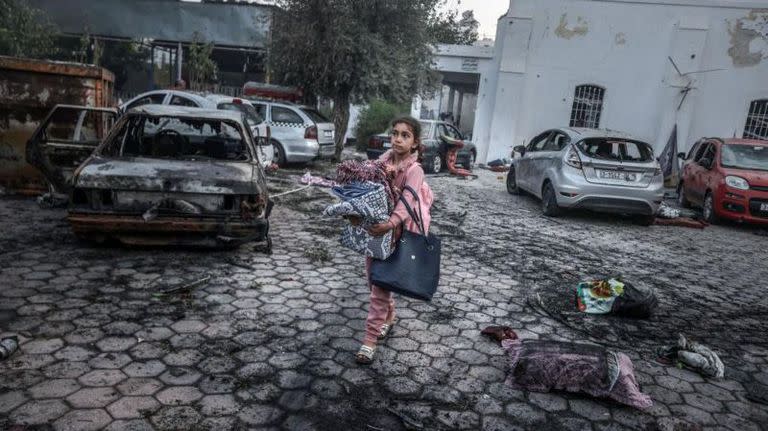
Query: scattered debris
point(317, 254)
point(499, 333)
point(186, 288)
point(234, 262)
point(682, 222)
point(667, 212)
point(692, 355)
point(541, 366)
point(615, 297)
point(313, 180)
point(52, 200)
point(8, 346)
point(409, 422)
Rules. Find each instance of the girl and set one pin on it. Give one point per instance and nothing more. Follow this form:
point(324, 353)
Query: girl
point(403, 160)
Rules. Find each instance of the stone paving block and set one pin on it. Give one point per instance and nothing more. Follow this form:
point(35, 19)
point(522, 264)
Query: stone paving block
point(496, 423)
point(133, 407)
point(691, 414)
point(66, 370)
point(139, 386)
point(83, 420)
point(102, 378)
point(109, 360)
point(216, 365)
point(180, 376)
point(75, 354)
point(42, 346)
point(259, 414)
point(178, 395)
point(116, 344)
point(56, 388)
point(38, 412)
point(523, 413)
point(11, 400)
point(183, 326)
point(458, 420)
point(93, 397)
point(548, 401)
point(149, 368)
point(591, 410)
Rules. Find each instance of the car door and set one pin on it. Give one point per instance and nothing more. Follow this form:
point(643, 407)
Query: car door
point(548, 157)
point(525, 165)
point(696, 173)
point(64, 139)
point(291, 129)
point(179, 100)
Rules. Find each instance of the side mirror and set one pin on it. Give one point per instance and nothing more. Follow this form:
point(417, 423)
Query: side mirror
point(519, 149)
point(706, 163)
point(681, 156)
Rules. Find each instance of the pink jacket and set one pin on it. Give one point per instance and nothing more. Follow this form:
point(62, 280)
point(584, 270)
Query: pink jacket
point(409, 172)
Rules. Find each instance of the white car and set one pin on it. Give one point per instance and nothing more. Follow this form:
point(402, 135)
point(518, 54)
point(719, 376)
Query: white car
point(257, 124)
point(299, 133)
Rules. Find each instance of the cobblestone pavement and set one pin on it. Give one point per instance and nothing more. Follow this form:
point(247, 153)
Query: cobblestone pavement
point(267, 342)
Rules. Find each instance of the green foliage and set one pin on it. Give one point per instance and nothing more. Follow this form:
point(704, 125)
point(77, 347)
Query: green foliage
point(447, 28)
point(202, 69)
point(353, 51)
point(24, 31)
point(375, 118)
point(123, 58)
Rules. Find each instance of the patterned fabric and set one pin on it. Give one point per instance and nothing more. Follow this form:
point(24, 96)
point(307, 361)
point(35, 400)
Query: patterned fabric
point(368, 201)
point(367, 170)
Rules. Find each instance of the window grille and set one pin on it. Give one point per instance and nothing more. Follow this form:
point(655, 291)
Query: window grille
point(757, 120)
point(587, 106)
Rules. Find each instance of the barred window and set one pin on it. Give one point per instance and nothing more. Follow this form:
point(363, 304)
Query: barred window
point(587, 106)
point(757, 120)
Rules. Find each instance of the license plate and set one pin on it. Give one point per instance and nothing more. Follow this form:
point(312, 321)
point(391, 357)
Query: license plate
point(328, 133)
point(615, 175)
point(764, 207)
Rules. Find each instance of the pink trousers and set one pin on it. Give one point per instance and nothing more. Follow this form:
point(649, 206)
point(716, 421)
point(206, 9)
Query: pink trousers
point(380, 309)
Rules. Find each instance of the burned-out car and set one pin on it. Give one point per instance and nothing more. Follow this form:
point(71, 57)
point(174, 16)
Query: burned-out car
point(163, 175)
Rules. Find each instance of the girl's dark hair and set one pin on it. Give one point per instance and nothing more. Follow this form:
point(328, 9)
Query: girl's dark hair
point(415, 126)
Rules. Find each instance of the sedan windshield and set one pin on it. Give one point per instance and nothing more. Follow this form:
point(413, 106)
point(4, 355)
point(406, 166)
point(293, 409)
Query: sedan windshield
point(250, 112)
point(752, 157)
point(616, 149)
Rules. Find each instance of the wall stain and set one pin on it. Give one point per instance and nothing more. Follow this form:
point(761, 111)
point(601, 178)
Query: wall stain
point(743, 33)
point(621, 39)
point(580, 29)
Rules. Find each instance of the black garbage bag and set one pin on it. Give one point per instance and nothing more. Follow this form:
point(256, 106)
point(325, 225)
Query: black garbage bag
point(635, 302)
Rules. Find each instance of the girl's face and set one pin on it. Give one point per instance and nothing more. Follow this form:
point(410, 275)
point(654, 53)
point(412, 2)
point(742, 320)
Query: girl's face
point(403, 139)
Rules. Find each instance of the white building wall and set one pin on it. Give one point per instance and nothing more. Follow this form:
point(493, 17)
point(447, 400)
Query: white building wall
point(545, 48)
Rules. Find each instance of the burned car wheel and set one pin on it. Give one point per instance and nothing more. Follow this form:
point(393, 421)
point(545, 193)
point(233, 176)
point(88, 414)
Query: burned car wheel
point(434, 164)
point(512, 187)
point(549, 201)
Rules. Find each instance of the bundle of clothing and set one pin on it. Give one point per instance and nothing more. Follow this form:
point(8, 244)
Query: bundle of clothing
point(541, 366)
point(692, 355)
point(365, 193)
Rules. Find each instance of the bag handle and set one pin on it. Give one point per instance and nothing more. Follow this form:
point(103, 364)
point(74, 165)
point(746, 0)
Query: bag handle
point(417, 218)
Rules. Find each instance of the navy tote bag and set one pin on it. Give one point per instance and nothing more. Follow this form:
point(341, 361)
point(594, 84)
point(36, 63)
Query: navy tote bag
point(413, 270)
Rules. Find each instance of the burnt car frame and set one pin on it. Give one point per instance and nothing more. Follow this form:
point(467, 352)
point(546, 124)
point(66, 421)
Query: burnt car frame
point(162, 176)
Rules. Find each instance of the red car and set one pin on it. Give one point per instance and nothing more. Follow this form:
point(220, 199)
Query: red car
point(727, 178)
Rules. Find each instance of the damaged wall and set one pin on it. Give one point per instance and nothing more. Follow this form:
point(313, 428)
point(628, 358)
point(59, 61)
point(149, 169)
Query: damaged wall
point(29, 89)
point(624, 47)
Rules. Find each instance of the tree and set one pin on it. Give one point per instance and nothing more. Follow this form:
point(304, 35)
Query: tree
point(24, 31)
point(446, 28)
point(353, 51)
point(202, 69)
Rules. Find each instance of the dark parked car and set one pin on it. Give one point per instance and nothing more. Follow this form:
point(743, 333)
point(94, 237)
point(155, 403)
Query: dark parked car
point(434, 146)
point(164, 175)
point(727, 178)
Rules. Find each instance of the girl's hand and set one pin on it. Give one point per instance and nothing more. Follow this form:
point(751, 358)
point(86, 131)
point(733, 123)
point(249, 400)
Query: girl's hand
point(380, 229)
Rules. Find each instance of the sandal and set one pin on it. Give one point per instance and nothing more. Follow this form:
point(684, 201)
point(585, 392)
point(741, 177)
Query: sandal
point(385, 330)
point(365, 355)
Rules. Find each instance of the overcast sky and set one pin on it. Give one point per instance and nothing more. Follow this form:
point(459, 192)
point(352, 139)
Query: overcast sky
point(487, 12)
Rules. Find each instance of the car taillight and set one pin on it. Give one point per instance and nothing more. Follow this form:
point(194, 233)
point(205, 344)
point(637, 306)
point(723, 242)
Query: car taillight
point(374, 142)
point(237, 101)
point(572, 159)
point(310, 133)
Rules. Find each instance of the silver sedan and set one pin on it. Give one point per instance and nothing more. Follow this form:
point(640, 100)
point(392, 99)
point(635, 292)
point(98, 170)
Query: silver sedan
point(598, 170)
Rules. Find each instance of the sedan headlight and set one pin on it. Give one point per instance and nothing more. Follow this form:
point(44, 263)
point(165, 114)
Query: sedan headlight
point(736, 182)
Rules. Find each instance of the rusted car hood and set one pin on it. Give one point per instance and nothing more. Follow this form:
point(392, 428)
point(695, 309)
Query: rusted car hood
point(147, 174)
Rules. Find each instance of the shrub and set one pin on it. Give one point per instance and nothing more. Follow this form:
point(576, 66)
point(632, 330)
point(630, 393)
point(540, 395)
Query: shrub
point(375, 119)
